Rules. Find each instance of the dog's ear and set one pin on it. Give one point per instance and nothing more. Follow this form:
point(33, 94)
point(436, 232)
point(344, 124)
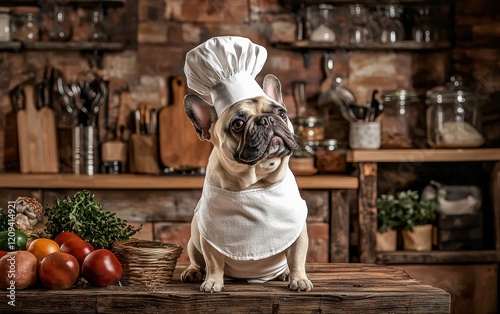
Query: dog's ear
point(272, 88)
point(201, 113)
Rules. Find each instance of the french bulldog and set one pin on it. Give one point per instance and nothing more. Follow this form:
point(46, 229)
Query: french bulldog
point(250, 222)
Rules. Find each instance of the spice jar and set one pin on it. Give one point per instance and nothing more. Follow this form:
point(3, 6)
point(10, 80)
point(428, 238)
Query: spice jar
point(4, 24)
point(331, 157)
point(25, 24)
point(399, 118)
point(310, 129)
point(453, 117)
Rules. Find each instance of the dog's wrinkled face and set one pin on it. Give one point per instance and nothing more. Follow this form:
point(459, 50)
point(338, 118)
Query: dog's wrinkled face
point(249, 131)
point(256, 129)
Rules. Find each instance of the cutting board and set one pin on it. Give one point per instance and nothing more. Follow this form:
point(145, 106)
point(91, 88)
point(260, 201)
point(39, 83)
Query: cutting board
point(37, 137)
point(180, 147)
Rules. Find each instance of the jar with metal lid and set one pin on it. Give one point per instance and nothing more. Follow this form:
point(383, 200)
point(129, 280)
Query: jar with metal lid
point(4, 24)
point(453, 116)
point(399, 118)
point(310, 129)
point(331, 156)
point(25, 24)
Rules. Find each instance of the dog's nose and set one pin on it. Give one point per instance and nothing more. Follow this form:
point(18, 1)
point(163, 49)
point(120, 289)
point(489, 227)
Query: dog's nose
point(266, 120)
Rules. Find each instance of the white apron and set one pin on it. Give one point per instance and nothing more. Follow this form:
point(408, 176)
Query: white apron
point(252, 228)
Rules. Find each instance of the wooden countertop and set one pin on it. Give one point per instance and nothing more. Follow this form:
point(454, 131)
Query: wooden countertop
point(133, 181)
point(346, 288)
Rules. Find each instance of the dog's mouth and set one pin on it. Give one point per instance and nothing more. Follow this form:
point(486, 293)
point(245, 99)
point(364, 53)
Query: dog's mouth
point(267, 137)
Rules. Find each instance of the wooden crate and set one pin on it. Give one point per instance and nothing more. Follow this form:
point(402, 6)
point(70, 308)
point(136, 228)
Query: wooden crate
point(460, 232)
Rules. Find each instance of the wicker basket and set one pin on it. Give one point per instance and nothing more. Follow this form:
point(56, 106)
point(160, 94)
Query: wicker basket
point(147, 263)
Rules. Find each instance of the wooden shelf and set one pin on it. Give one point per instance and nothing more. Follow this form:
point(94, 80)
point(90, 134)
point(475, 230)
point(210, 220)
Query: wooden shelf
point(72, 46)
point(11, 46)
point(438, 257)
point(46, 45)
point(10, 3)
point(403, 45)
point(295, 4)
point(132, 181)
point(424, 155)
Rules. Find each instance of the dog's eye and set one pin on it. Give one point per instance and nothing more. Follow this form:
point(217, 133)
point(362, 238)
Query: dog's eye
point(282, 114)
point(237, 125)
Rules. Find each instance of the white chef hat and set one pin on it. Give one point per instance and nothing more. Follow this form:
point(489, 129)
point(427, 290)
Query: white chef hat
point(225, 68)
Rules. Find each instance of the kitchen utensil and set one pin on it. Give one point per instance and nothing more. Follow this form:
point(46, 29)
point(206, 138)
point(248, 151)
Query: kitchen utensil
point(358, 112)
point(328, 65)
point(299, 97)
point(180, 146)
point(37, 137)
point(376, 105)
point(85, 143)
point(116, 150)
point(340, 97)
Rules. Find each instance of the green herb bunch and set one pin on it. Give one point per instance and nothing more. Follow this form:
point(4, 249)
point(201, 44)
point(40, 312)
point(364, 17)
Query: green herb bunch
point(404, 210)
point(85, 217)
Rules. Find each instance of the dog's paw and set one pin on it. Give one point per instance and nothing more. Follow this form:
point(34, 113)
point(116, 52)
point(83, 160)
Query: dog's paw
point(211, 286)
point(300, 283)
point(192, 274)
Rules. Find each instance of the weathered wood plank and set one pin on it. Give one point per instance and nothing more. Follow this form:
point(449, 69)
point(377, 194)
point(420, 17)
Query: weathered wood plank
point(367, 216)
point(375, 290)
point(473, 288)
point(339, 228)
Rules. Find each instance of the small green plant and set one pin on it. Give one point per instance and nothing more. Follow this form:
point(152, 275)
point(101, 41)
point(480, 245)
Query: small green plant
point(404, 210)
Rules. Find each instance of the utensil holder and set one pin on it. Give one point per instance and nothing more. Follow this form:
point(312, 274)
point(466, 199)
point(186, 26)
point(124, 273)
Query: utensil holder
point(364, 135)
point(85, 155)
point(143, 151)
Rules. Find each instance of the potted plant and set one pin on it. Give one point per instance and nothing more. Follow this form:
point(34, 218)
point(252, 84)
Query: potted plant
point(416, 220)
point(388, 219)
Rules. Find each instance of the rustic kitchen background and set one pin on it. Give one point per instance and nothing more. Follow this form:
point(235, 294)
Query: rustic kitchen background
point(145, 44)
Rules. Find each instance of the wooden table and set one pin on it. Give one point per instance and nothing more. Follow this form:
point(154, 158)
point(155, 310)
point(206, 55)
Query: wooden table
point(345, 288)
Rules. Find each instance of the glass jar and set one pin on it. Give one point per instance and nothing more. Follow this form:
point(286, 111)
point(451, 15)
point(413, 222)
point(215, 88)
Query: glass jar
point(399, 118)
point(392, 27)
point(60, 28)
point(4, 24)
point(320, 23)
point(331, 157)
point(25, 24)
point(453, 117)
point(310, 129)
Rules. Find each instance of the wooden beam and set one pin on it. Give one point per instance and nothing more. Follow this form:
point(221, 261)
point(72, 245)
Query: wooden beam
point(424, 155)
point(133, 181)
point(339, 227)
point(367, 216)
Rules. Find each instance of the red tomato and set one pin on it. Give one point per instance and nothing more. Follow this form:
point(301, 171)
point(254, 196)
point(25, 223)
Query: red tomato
point(78, 248)
point(101, 268)
point(2, 253)
point(59, 271)
point(65, 236)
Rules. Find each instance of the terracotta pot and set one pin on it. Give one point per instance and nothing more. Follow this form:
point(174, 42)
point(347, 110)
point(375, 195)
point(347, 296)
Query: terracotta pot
point(418, 240)
point(386, 241)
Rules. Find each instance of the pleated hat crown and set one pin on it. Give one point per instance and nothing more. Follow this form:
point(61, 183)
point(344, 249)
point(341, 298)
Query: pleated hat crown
point(225, 68)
